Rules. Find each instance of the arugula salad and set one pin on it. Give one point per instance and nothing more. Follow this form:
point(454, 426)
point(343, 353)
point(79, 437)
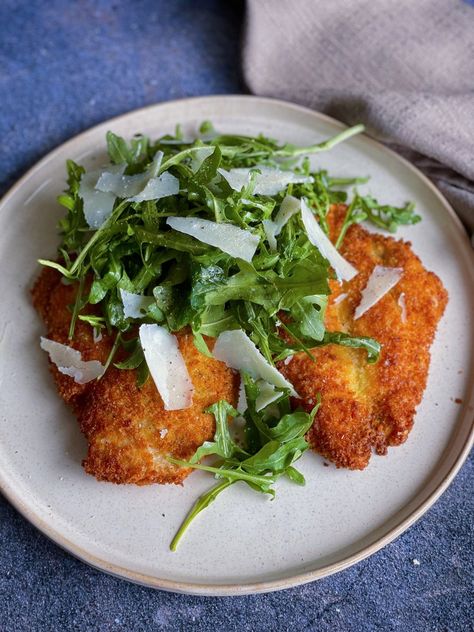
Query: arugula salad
point(227, 236)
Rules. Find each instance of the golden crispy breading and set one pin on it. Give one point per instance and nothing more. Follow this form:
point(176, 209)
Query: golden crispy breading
point(129, 432)
point(367, 406)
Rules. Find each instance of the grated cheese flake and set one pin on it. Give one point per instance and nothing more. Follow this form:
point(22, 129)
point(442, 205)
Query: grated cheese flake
point(340, 298)
point(135, 305)
point(343, 269)
point(231, 239)
point(403, 307)
point(235, 349)
point(381, 281)
point(289, 207)
point(269, 181)
point(167, 366)
point(69, 362)
point(97, 205)
point(140, 187)
point(242, 401)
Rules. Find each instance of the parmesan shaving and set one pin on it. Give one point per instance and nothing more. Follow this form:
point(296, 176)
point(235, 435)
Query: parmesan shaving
point(269, 181)
point(97, 205)
point(199, 156)
point(343, 269)
point(157, 188)
point(69, 362)
point(167, 366)
point(269, 227)
point(124, 186)
point(242, 401)
point(235, 349)
point(140, 187)
point(135, 305)
point(381, 281)
point(231, 239)
point(289, 207)
point(340, 298)
point(403, 307)
point(96, 335)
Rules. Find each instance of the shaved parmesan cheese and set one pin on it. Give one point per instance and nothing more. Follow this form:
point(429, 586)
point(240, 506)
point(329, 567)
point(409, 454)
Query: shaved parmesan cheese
point(97, 205)
point(242, 401)
point(339, 298)
point(157, 188)
point(235, 349)
point(96, 335)
point(199, 156)
point(289, 207)
point(381, 281)
point(403, 307)
point(163, 433)
point(266, 396)
point(135, 305)
point(167, 366)
point(69, 362)
point(269, 181)
point(121, 186)
point(142, 186)
point(231, 239)
point(343, 269)
point(269, 227)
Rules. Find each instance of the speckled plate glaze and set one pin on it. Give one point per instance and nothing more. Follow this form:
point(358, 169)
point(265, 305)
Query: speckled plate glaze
point(243, 543)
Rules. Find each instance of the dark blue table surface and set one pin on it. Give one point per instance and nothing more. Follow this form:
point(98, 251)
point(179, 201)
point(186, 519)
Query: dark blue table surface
point(64, 66)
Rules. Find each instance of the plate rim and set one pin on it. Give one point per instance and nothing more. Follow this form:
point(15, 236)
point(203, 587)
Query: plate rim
point(234, 589)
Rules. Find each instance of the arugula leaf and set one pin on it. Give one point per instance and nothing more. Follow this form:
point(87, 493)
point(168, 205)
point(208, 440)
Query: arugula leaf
point(271, 449)
point(208, 170)
point(381, 215)
point(387, 216)
point(372, 347)
point(117, 149)
point(308, 320)
point(135, 358)
point(214, 320)
point(223, 445)
point(201, 345)
point(294, 475)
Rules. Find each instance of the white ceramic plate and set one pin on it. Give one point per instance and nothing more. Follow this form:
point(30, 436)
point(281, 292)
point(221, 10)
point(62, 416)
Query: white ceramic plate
point(243, 543)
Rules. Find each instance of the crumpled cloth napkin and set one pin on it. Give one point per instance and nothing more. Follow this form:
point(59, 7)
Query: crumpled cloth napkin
point(404, 68)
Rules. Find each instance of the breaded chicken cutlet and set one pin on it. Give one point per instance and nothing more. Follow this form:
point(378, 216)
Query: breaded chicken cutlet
point(370, 406)
point(128, 431)
point(364, 407)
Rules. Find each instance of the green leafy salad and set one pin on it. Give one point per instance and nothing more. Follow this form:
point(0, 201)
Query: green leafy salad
point(227, 236)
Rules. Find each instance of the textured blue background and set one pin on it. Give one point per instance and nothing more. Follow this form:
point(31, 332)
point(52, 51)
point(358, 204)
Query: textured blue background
point(65, 66)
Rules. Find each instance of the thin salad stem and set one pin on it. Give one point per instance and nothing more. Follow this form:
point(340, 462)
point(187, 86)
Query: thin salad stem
point(201, 503)
point(291, 150)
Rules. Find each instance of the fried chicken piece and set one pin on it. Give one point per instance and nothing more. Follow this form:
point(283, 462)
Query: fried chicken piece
point(370, 406)
point(129, 432)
